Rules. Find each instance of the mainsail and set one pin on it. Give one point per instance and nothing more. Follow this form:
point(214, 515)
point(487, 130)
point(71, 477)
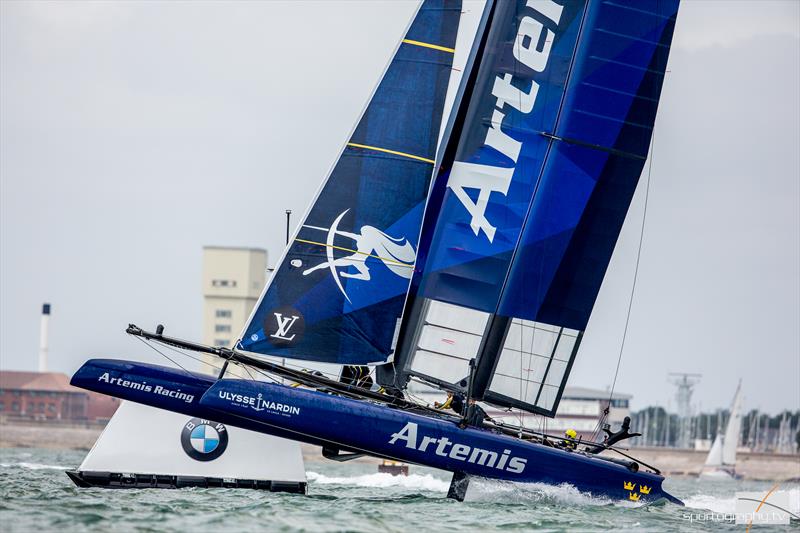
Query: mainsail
point(733, 429)
point(722, 455)
point(338, 292)
point(531, 196)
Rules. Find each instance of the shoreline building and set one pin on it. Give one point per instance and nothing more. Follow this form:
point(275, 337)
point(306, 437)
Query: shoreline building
point(580, 409)
point(48, 397)
point(232, 281)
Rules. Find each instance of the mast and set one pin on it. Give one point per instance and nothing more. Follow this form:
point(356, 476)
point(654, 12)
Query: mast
point(395, 374)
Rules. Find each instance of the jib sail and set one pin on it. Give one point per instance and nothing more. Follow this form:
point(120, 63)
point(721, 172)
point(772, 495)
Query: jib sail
point(339, 289)
point(532, 193)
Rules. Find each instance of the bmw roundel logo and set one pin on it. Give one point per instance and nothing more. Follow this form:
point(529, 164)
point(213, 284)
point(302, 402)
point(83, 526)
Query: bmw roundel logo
point(204, 440)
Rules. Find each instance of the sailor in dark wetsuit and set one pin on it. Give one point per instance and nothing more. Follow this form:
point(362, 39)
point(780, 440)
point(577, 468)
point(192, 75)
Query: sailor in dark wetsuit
point(473, 414)
point(358, 376)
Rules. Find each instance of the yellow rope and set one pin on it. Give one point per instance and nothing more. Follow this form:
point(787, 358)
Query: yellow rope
point(394, 152)
point(384, 259)
point(428, 45)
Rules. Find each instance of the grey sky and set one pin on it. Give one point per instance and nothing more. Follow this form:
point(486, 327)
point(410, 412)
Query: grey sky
point(134, 133)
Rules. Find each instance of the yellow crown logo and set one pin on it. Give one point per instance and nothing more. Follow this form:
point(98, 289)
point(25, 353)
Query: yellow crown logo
point(628, 485)
point(633, 496)
point(644, 489)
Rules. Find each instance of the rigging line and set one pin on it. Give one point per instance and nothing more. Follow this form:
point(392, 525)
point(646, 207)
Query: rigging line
point(265, 374)
point(521, 354)
point(531, 360)
point(393, 152)
point(164, 355)
point(199, 360)
point(417, 399)
point(330, 375)
point(635, 270)
point(384, 259)
point(247, 368)
point(185, 354)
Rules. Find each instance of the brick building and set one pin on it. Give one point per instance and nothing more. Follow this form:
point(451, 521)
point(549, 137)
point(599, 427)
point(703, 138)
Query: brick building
point(48, 396)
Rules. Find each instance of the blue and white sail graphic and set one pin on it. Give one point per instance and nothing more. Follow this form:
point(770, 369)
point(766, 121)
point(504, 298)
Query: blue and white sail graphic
point(526, 212)
point(338, 293)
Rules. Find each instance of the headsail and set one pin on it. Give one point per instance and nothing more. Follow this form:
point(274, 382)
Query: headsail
point(714, 457)
point(526, 212)
point(723, 451)
point(338, 292)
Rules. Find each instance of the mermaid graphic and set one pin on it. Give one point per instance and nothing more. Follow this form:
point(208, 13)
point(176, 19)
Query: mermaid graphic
point(397, 254)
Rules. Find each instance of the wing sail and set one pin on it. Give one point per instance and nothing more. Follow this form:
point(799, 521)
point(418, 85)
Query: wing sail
point(529, 208)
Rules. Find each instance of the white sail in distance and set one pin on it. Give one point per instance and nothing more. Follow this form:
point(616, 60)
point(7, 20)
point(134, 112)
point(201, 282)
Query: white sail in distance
point(731, 439)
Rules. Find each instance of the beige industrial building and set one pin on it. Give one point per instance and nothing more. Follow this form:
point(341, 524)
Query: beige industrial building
point(232, 282)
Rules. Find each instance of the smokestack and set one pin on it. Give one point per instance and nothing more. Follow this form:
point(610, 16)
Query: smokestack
point(43, 340)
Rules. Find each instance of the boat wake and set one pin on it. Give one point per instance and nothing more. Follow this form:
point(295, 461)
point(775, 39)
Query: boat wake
point(425, 482)
point(34, 466)
point(489, 490)
point(480, 490)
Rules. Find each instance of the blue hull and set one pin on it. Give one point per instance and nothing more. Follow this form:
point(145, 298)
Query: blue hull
point(319, 418)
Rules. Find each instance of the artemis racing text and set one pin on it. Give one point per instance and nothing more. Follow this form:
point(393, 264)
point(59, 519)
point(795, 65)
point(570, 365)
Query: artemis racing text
point(459, 452)
point(144, 387)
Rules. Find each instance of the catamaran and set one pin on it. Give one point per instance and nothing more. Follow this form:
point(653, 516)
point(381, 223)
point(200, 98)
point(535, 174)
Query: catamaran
point(472, 267)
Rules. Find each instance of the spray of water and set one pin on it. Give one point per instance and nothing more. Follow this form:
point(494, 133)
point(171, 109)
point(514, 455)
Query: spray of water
point(34, 466)
point(424, 482)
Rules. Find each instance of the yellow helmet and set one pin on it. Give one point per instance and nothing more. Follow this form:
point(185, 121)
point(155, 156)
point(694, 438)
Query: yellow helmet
point(571, 433)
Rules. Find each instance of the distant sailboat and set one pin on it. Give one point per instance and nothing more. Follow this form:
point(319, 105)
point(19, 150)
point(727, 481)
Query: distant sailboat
point(721, 460)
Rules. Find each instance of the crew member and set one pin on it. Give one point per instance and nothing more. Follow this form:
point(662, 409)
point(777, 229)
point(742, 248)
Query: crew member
point(357, 376)
point(453, 401)
point(570, 443)
point(475, 414)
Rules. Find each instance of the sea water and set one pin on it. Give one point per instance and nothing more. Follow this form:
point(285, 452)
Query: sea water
point(36, 495)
